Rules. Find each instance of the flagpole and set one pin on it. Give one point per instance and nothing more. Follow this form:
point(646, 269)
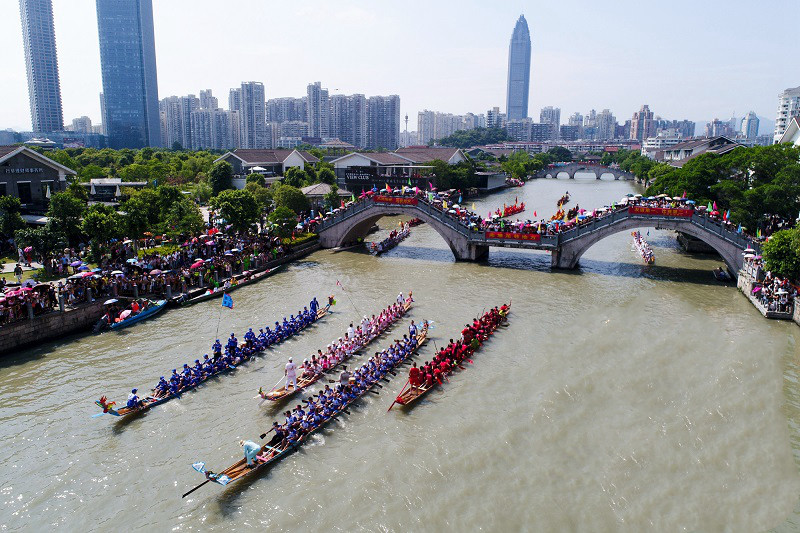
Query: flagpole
point(216, 336)
point(348, 297)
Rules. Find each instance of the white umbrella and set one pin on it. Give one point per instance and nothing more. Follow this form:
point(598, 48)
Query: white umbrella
point(111, 301)
point(748, 251)
point(749, 256)
point(782, 291)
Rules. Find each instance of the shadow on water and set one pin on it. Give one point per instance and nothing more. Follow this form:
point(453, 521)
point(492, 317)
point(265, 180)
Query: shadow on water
point(32, 353)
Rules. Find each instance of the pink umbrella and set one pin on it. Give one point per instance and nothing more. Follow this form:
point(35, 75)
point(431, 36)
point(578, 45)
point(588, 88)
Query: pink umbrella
point(29, 249)
point(86, 274)
point(125, 314)
point(197, 264)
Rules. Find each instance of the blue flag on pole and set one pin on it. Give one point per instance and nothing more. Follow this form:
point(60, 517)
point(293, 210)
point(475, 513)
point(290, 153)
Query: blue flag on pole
point(227, 301)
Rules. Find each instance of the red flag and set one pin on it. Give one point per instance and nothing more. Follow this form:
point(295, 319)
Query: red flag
point(342, 203)
point(534, 214)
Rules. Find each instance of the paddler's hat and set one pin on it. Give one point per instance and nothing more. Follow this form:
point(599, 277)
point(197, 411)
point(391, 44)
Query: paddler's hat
point(134, 391)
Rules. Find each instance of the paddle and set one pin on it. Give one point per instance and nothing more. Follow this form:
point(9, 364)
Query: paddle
point(98, 414)
point(376, 393)
point(400, 394)
point(265, 433)
point(386, 380)
point(194, 489)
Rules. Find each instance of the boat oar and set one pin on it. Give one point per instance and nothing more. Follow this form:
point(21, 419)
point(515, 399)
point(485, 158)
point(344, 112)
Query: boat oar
point(401, 393)
point(376, 393)
point(386, 380)
point(194, 489)
point(265, 433)
point(98, 414)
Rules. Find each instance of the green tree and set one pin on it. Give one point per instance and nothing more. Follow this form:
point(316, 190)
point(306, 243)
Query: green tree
point(560, 153)
point(100, 223)
point(134, 172)
point(255, 177)
point(202, 192)
point(10, 218)
point(45, 240)
point(221, 177)
point(263, 195)
point(296, 177)
point(331, 200)
point(284, 220)
point(183, 218)
point(473, 137)
point(326, 175)
point(292, 198)
point(238, 207)
point(65, 213)
point(782, 253)
point(91, 172)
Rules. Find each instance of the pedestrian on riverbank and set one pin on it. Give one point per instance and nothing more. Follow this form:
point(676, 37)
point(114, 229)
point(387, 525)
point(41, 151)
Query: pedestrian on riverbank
point(18, 273)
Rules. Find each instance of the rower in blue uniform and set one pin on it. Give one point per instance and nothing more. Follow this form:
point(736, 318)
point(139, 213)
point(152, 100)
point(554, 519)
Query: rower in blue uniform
point(217, 349)
point(133, 400)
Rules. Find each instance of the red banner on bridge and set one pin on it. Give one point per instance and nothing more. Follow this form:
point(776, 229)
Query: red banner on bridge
point(660, 211)
point(510, 235)
point(397, 200)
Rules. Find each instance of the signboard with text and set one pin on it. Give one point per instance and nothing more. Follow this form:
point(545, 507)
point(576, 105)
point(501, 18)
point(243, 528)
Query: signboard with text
point(396, 200)
point(512, 235)
point(660, 211)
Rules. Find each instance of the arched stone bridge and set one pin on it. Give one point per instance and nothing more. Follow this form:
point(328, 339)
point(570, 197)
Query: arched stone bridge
point(552, 171)
point(566, 248)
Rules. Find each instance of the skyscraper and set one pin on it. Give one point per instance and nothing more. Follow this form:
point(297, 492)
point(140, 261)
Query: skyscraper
point(750, 125)
point(788, 107)
point(551, 115)
point(642, 124)
point(519, 71)
point(128, 65)
point(318, 109)
point(41, 63)
point(383, 122)
point(252, 116)
point(348, 118)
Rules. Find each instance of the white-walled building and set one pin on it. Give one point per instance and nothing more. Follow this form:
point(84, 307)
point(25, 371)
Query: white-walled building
point(788, 107)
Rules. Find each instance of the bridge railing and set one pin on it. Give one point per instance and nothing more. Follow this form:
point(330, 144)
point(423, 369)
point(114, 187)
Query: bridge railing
point(697, 219)
point(422, 205)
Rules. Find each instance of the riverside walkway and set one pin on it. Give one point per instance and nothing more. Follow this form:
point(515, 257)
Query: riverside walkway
point(566, 247)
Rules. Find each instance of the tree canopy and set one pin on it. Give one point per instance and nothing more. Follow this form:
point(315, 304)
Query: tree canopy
point(473, 137)
point(238, 207)
point(782, 253)
point(291, 198)
point(220, 176)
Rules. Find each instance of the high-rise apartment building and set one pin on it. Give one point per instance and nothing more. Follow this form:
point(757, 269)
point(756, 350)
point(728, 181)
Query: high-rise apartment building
point(576, 120)
point(82, 125)
point(495, 119)
point(788, 107)
point(718, 127)
point(176, 120)
point(41, 64)
point(383, 122)
point(208, 100)
point(551, 115)
point(128, 65)
point(318, 110)
point(215, 129)
point(348, 119)
point(252, 118)
point(750, 124)
point(606, 125)
point(642, 124)
point(287, 109)
point(426, 126)
point(519, 71)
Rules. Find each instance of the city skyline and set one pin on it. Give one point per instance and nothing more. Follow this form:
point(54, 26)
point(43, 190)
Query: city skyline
point(430, 72)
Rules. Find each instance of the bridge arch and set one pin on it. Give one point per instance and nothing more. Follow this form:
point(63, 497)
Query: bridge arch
point(573, 249)
point(357, 224)
point(573, 168)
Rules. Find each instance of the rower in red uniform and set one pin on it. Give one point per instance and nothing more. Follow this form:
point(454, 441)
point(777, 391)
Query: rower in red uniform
point(414, 376)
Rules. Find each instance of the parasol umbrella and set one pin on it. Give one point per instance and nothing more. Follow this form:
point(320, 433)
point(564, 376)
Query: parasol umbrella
point(28, 249)
point(127, 241)
point(97, 270)
point(76, 276)
point(691, 202)
point(125, 314)
point(782, 291)
point(748, 251)
point(83, 268)
point(111, 301)
point(228, 254)
point(85, 274)
point(75, 264)
point(236, 250)
point(749, 256)
point(28, 283)
point(116, 273)
point(155, 272)
point(197, 264)
point(132, 261)
point(637, 195)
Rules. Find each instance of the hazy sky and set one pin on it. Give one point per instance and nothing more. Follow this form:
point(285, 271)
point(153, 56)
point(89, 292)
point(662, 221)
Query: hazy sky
point(685, 58)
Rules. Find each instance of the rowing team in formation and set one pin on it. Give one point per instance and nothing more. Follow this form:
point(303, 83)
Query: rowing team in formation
point(643, 247)
point(564, 200)
point(510, 210)
point(235, 353)
point(394, 238)
point(339, 350)
point(330, 401)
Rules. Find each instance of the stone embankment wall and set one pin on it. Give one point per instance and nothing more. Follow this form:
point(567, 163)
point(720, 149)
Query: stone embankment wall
point(49, 327)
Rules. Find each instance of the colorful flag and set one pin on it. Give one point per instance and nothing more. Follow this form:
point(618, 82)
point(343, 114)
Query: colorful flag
point(459, 197)
point(409, 181)
point(342, 203)
point(444, 205)
point(227, 301)
point(739, 229)
point(715, 205)
point(758, 234)
point(708, 207)
point(339, 283)
point(473, 206)
point(534, 214)
point(352, 197)
point(684, 194)
point(388, 188)
point(430, 185)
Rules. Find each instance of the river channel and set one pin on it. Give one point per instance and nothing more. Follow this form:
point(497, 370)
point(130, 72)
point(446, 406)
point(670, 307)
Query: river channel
point(622, 397)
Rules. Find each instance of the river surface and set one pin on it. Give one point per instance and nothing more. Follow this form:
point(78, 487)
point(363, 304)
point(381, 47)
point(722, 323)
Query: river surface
point(621, 397)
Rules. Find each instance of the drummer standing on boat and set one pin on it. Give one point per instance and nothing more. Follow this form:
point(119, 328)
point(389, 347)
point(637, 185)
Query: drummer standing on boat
point(291, 374)
point(251, 449)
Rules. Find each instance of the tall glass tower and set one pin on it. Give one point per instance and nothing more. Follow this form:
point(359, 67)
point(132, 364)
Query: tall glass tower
point(44, 89)
point(128, 64)
point(519, 71)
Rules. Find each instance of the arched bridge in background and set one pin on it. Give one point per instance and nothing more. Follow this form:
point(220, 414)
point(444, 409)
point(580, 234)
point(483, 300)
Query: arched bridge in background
point(552, 171)
point(566, 247)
